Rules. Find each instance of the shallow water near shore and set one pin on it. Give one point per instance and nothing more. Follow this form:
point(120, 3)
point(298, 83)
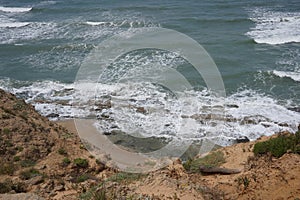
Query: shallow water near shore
point(254, 44)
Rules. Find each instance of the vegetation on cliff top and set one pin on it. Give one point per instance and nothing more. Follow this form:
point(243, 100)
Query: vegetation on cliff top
point(280, 145)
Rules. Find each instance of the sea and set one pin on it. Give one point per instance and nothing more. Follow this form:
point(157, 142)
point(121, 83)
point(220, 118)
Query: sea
point(255, 45)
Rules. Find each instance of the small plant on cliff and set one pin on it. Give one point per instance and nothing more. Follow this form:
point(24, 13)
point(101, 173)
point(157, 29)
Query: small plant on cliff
point(19, 105)
point(82, 178)
point(245, 181)
point(66, 161)
point(28, 174)
point(62, 151)
point(6, 131)
point(80, 162)
point(16, 158)
point(5, 186)
point(125, 176)
point(95, 194)
point(27, 163)
point(215, 158)
point(279, 145)
point(8, 185)
point(7, 168)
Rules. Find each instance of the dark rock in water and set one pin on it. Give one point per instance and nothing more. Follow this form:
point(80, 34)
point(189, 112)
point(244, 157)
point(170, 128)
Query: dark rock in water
point(52, 115)
point(296, 109)
point(283, 124)
point(114, 126)
point(102, 105)
point(232, 106)
point(106, 133)
point(141, 110)
point(104, 115)
point(265, 125)
point(243, 139)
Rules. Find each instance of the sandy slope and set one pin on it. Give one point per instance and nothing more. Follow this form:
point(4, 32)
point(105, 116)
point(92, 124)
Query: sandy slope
point(269, 178)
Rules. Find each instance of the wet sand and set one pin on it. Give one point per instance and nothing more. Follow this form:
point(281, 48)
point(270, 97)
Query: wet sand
point(119, 157)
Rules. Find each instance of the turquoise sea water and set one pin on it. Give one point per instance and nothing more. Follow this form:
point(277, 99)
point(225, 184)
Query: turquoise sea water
point(255, 44)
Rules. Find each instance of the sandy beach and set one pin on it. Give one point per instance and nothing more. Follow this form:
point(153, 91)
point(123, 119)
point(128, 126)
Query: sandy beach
point(101, 147)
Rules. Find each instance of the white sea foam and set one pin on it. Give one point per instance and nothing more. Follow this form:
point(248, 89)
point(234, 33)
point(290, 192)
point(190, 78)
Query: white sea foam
point(14, 9)
point(45, 3)
point(96, 30)
point(26, 31)
point(274, 27)
point(13, 24)
point(97, 23)
point(293, 75)
point(143, 108)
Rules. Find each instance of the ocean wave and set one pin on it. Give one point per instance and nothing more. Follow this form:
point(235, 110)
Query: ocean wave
point(97, 23)
point(292, 75)
point(274, 27)
point(15, 9)
point(25, 32)
point(13, 24)
point(122, 24)
point(75, 29)
point(144, 108)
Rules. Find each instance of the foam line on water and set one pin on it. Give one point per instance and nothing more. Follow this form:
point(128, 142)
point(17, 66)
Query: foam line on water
point(13, 24)
point(15, 9)
point(292, 75)
point(274, 27)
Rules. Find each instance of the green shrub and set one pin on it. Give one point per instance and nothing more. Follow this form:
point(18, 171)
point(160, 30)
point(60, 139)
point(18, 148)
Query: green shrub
point(28, 174)
point(82, 178)
point(19, 187)
point(125, 176)
point(19, 148)
point(62, 151)
point(215, 158)
point(19, 105)
point(66, 161)
point(8, 186)
point(98, 162)
point(6, 131)
point(245, 181)
point(8, 143)
point(9, 111)
point(7, 168)
point(17, 158)
point(279, 145)
point(5, 186)
point(95, 194)
point(27, 163)
point(80, 162)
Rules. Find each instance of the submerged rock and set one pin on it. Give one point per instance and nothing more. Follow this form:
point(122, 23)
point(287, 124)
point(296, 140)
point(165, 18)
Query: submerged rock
point(242, 139)
point(52, 115)
point(295, 109)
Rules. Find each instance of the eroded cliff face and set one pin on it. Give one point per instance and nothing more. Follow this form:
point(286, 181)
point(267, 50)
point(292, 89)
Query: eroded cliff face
point(37, 155)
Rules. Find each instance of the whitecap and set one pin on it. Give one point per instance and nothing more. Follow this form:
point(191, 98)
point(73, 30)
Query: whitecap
point(293, 75)
point(13, 24)
point(96, 23)
point(15, 9)
point(274, 27)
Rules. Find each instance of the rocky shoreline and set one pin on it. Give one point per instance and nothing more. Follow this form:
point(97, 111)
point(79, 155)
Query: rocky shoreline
point(41, 159)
